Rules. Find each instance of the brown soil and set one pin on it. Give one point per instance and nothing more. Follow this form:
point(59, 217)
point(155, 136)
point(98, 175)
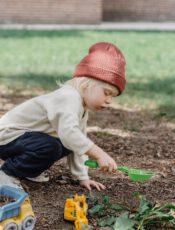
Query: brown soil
point(5, 200)
point(132, 138)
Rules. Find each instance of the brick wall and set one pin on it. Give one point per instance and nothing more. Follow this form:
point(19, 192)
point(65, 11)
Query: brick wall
point(84, 11)
point(139, 10)
point(50, 11)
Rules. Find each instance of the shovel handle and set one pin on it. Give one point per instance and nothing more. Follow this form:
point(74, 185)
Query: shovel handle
point(122, 169)
point(94, 164)
point(91, 164)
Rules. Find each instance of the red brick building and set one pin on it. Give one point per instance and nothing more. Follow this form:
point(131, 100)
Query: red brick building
point(84, 12)
point(139, 10)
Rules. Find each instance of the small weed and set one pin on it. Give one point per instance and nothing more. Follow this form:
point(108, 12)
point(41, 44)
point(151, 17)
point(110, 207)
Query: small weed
point(103, 134)
point(131, 128)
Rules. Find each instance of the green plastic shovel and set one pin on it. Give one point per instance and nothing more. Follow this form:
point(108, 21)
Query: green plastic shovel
point(134, 174)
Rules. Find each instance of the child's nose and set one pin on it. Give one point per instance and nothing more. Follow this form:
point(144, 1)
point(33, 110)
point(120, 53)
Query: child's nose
point(109, 100)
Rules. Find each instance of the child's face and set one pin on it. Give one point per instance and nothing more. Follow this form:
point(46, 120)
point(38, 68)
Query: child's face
point(98, 97)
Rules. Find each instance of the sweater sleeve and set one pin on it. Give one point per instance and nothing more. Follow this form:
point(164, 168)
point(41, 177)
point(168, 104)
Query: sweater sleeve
point(76, 164)
point(64, 115)
point(77, 167)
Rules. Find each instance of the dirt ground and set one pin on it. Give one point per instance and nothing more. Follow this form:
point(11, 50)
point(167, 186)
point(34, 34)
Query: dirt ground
point(133, 138)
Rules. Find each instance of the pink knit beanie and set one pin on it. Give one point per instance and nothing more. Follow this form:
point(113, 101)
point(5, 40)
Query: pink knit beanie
point(104, 62)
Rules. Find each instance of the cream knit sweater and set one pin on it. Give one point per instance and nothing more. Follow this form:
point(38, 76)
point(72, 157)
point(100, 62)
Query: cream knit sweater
point(60, 114)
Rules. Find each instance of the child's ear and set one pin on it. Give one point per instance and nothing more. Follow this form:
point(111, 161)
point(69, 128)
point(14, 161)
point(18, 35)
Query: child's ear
point(85, 86)
point(84, 89)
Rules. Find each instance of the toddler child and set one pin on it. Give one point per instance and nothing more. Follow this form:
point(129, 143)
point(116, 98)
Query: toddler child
point(44, 129)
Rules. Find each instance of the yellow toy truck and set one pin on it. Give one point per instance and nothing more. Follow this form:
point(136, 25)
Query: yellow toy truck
point(76, 210)
point(16, 215)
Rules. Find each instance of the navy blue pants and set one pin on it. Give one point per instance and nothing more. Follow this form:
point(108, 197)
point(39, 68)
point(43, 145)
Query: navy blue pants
point(31, 154)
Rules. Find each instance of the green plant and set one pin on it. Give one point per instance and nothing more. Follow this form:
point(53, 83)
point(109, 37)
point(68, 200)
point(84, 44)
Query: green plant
point(117, 217)
point(103, 209)
point(149, 213)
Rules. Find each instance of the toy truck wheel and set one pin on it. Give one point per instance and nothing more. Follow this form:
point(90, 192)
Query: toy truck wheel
point(11, 226)
point(28, 223)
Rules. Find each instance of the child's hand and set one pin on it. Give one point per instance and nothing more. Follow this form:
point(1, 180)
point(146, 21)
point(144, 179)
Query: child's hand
point(106, 163)
point(88, 184)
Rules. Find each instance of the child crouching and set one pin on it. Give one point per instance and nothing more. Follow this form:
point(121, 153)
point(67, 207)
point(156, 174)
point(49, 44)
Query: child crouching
point(44, 129)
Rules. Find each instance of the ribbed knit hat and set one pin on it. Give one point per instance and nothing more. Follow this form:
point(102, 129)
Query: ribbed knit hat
point(104, 62)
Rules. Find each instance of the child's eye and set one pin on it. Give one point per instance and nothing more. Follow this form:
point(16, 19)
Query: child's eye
point(107, 93)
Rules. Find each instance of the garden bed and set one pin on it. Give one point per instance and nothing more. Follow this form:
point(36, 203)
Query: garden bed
point(140, 142)
point(134, 139)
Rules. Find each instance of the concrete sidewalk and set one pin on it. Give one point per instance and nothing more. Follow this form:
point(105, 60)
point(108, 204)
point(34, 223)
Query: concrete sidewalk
point(138, 26)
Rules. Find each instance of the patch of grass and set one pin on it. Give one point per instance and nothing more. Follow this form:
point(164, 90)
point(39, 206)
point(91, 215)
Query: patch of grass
point(103, 134)
point(31, 58)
